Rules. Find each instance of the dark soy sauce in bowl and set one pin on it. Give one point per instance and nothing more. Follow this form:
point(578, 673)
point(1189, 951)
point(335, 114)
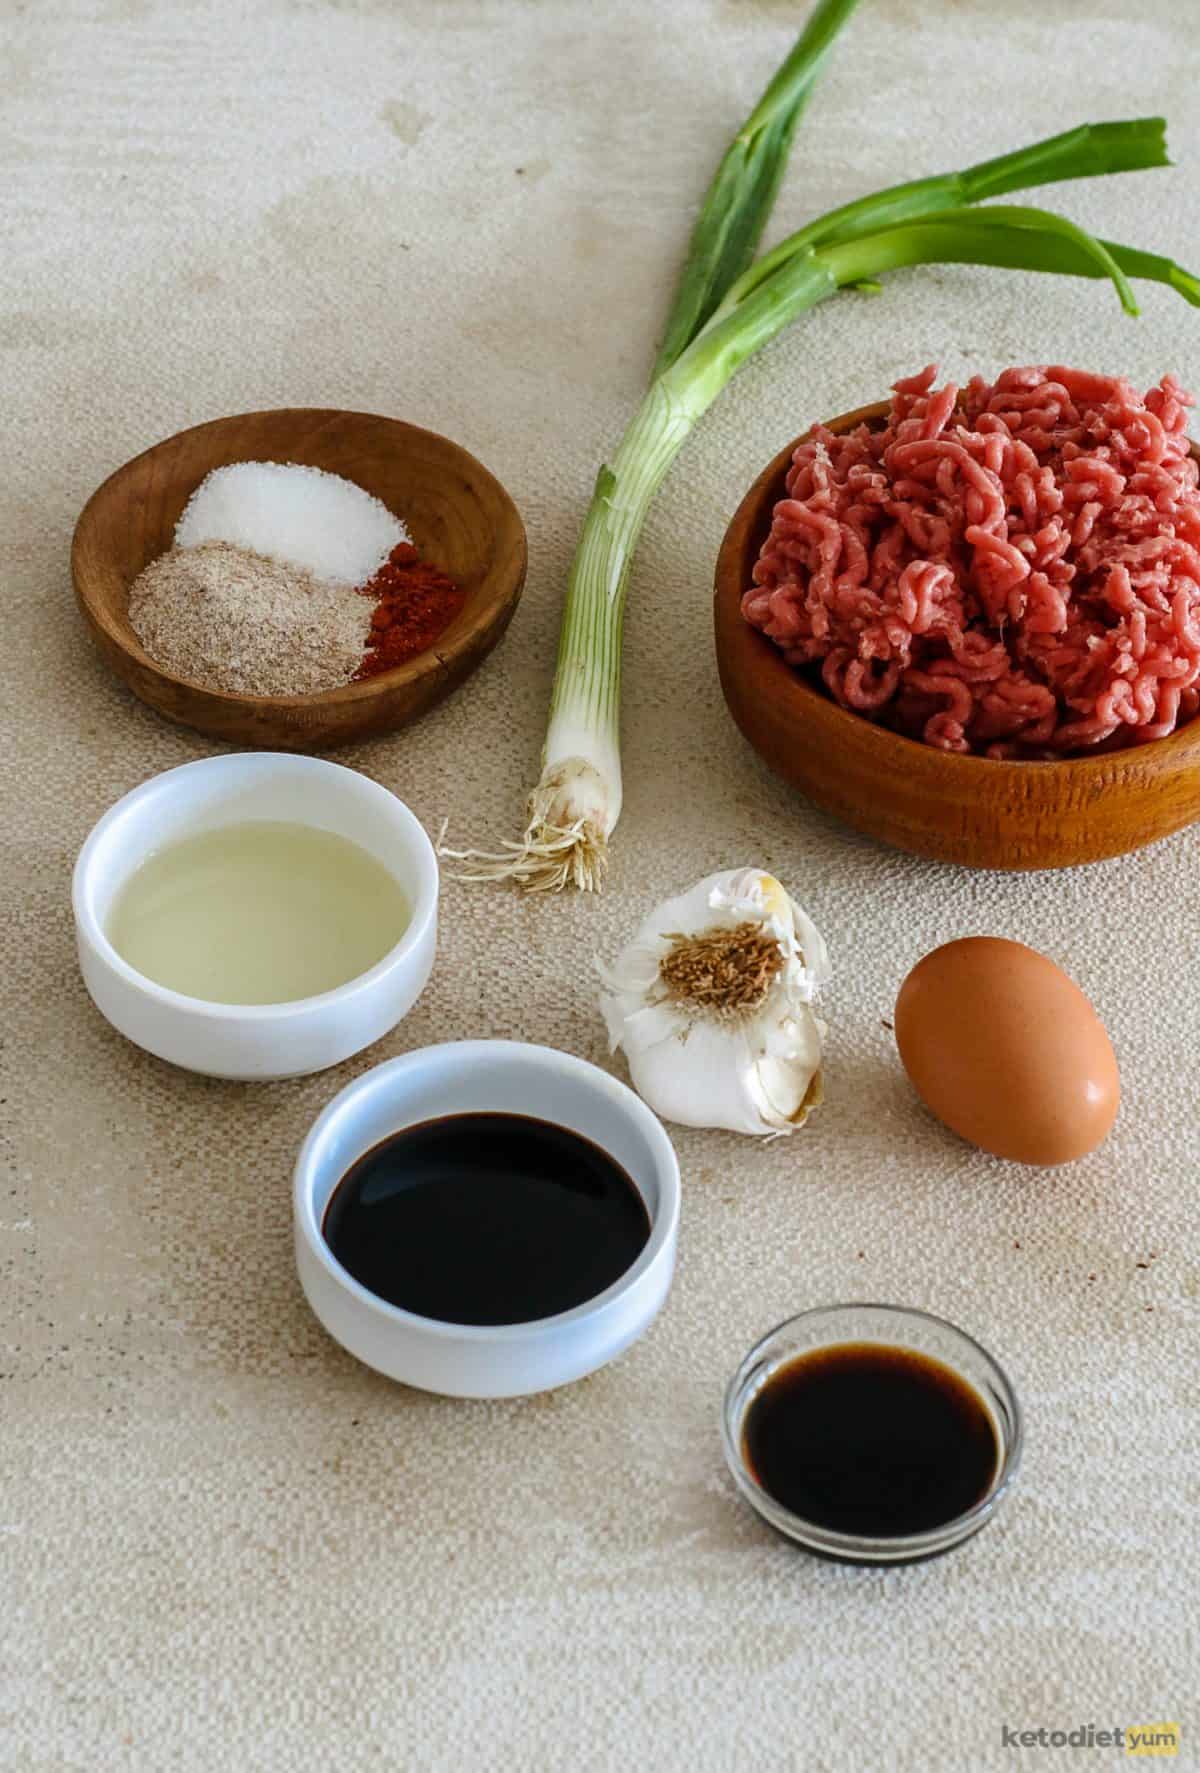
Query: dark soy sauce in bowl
point(871, 1440)
point(486, 1219)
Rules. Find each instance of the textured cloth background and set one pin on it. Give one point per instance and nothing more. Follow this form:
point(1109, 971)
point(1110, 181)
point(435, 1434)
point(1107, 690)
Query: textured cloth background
point(223, 1544)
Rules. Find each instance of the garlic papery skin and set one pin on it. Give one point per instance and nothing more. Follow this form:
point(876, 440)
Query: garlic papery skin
point(712, 1005)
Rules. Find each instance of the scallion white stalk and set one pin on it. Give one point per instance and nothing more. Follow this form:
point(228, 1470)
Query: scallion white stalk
point(576, 804)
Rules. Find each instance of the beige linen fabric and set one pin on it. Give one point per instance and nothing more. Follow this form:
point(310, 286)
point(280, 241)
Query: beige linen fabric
point(223, 1544)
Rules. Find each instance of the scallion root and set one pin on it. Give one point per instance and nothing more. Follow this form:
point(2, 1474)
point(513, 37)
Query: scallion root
point(563, 845)
point(547, 859)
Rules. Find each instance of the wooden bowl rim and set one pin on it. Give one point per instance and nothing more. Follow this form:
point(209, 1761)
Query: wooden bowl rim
point(434, 661)
point(1180, 748)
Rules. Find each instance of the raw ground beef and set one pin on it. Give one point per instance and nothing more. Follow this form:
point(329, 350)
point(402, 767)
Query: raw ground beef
point(1011, 570)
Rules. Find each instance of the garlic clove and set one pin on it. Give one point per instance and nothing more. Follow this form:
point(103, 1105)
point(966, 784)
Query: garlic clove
point(703, 1084)
point(788, 1089)
point(811, 943)
point(640, 1028)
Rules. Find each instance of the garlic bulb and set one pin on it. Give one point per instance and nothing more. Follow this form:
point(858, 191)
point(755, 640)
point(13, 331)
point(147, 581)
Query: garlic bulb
point(712, 1004)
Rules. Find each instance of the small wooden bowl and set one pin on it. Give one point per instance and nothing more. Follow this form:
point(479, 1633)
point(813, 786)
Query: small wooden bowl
point(973, 810)
point(459, 516)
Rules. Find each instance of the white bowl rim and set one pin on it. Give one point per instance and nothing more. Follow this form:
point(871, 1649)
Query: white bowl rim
point(424, 908)
point(663, 1224)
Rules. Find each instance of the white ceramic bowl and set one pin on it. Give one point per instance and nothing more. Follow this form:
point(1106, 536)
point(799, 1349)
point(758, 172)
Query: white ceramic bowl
point(481, 1076)
point(255, 1041)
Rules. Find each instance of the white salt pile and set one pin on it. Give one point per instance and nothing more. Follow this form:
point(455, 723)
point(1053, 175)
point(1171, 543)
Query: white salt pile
point(304, 517)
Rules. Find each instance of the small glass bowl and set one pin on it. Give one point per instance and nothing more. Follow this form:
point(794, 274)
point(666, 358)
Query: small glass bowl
point(892, 1326)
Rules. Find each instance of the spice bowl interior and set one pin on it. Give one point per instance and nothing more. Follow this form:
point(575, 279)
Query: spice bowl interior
point(498, 1077)
point(976, 811)
point(457, 513)
point(255, 1041)
point(887, 1327)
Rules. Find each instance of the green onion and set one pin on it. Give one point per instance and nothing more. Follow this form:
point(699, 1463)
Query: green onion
point(724, 311)
point(577, 801)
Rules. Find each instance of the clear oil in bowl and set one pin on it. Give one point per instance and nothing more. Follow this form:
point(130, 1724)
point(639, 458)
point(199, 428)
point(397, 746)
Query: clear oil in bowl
point(266, 911)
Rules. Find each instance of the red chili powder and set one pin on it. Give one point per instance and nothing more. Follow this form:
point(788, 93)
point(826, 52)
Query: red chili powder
point(414, 603)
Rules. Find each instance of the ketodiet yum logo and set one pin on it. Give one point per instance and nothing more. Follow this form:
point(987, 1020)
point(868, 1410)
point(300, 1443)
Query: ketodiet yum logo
point(1135, 1739)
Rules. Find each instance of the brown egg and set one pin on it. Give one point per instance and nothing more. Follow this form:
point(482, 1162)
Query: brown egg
point(1007, 1050)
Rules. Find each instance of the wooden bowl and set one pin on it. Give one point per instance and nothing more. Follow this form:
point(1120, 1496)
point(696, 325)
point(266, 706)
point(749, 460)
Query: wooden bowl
point(459, 517)
point(974, 810)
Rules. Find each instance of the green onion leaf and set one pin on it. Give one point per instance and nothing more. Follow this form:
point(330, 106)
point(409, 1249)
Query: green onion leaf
point(1134, 145)
point(1043, 221)
point(1154, 269)
point(1131, 145)
point(968, 237)
point(742, 194)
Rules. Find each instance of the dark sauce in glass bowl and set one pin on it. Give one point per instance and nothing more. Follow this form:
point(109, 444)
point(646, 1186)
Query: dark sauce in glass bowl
point(486, 1219)
point(871, 1440)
